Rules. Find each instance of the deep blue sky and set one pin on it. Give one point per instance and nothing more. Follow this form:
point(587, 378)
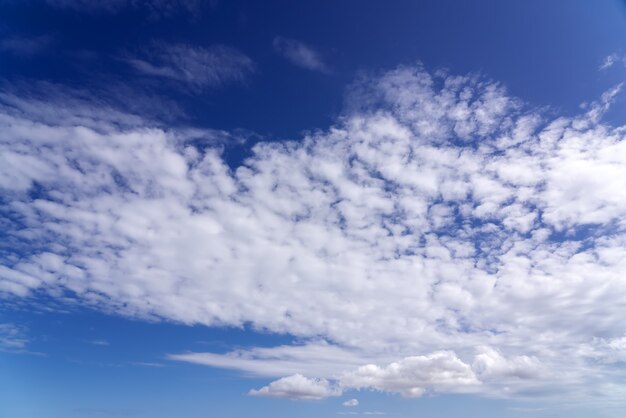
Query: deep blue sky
point(82, 347)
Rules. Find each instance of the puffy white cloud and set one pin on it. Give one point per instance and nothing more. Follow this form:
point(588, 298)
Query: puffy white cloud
point(300, 54)
point(351, 402)
point(437, 215)
point(491, 364)
point(298, 387)
point(415, 376)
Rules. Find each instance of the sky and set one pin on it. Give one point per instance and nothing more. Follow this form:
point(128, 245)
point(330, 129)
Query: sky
point(314, 209)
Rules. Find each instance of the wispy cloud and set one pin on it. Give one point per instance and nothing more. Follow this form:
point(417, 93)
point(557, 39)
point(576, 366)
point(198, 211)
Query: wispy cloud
point(12, 337)
point(155, 9)
point(351, 402)
point(611, 60)
point(147, 364)
point(100, 342)
point(26, 46)
point(300, 54)
point(193, 66)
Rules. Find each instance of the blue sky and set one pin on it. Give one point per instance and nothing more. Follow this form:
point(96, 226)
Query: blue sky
point(233, 209)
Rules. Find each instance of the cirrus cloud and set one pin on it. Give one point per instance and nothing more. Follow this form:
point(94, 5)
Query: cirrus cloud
point(194, 66)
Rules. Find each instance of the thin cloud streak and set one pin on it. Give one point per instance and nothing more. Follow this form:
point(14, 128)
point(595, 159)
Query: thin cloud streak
point(193, 66)
point(300, 54)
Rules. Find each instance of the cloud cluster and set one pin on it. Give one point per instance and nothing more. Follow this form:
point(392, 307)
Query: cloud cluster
point(412, 377)
point(436, 216)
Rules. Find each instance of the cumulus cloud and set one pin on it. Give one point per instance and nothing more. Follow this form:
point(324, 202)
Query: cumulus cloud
point(194, 66)
point(491, 364)
point(436, 216)
point(300, 54)
point(414, 376)
point(297, 387)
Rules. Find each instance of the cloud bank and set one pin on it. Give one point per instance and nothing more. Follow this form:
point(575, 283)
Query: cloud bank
point(440, 237)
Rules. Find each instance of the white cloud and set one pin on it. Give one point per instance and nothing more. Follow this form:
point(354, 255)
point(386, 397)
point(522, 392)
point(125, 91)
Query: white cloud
point(300, 54)
point(194, 66)
point(415, 376)
point(437, 215)
point(298, 387)
point(351, 402)
point(613, 59)
point(12, 338)
point(491, 364)
point(610, 60)
point(314, 359)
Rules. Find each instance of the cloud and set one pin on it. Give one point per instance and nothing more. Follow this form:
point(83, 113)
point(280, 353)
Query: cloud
point(194, 66)
point(414, 376)
point(26, 46)
point(491, 364)
point(147, 364)
point(437, 215)
point(300, 54)
point(351, 402)
point(100, 107)
point(314, 359)
point(155, 9)
point(99, 342)
point(437, 372)
point(297, 387)
point(611, 60)
point(12, 338)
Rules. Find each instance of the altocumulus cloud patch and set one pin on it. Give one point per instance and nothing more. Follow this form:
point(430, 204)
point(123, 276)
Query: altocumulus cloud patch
point(441, 237)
